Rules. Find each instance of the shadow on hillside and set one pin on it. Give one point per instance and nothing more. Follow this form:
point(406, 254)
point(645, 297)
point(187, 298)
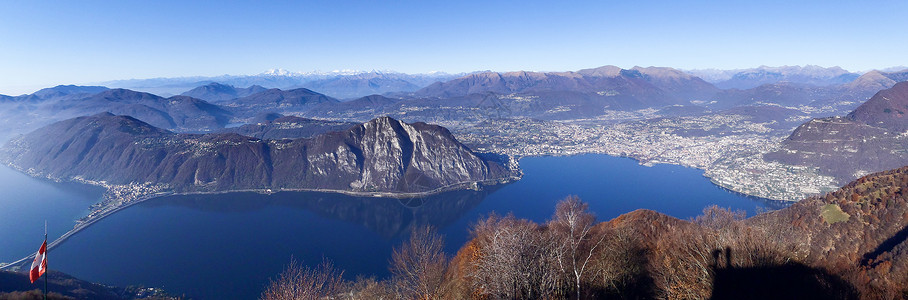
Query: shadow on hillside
point(14, 285)
point(885, 246)
point(787, 281)
point(636, 283)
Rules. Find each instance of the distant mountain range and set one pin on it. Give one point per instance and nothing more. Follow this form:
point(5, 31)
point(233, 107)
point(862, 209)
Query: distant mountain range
point(178, 112)
point(869, 139)
point(354, 84)
point(585, 93)
point(648, 86)
point(28, 112)
point(878, 80)
point(751, 78)
point(382, 155)
point(59, 92)
point(338, 84)
point(839, 98)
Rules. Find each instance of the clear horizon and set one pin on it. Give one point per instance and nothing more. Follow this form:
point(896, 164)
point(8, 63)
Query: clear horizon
point(48, 44)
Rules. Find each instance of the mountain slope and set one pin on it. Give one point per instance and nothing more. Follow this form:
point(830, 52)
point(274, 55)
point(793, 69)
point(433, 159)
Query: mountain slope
point(61, 91)
point(848, 244)
point(886, 109)
point(359, 85)
point(61, 286)
point(823, 100)
point(178, 112)
point(785, 94)
point(288, 127)
point(810, 75)
point(358, 109)
point(869, 139)
point(215, 92)
point(382, 155)
point(860, 230)
point(878, 80)
point(677, 83)
point(280, 101)
point(650, 87)
point(28, 112)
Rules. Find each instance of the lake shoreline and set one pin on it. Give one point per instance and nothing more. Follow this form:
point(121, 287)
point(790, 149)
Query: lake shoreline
point(165, 233)
point(477, 185)
point(82, 225)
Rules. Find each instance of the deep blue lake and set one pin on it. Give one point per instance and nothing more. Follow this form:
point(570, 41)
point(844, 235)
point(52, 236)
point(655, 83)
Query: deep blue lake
point(26, 202)
point(229, 246)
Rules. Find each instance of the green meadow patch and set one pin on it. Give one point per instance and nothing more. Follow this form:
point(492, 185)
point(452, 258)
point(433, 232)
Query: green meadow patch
point(832, 214)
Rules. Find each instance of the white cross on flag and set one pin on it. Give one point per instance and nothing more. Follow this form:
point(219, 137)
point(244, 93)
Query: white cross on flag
point(39, 265)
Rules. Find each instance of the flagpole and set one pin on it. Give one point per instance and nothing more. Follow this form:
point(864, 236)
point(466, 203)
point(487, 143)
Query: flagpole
point(45, 260)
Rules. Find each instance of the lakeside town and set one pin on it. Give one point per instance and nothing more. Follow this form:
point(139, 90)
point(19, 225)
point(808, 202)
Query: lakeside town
point(729, 148)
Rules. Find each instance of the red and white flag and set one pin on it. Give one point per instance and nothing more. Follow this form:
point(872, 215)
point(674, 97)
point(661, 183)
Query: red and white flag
point(39, 265)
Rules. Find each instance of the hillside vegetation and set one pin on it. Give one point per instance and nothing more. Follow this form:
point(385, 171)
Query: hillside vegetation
point(848, 244)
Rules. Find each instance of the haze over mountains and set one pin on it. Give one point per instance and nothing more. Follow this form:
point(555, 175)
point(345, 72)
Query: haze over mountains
point(545, 95)
point(750, 78)
point(338, 84)
point(765, 132)
point(354, 84)
point(28, 112)
point(690, 111)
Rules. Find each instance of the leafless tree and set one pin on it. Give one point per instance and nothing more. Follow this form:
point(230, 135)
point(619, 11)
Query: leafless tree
point(367, 288)
point(513, 259)
point(576, 239)
point(619, 262)
point(689, 256)
point(301, 282)
point(716, 218)
point(419, 266)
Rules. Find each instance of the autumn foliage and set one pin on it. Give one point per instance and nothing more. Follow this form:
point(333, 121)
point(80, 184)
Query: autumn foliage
point(792, 253)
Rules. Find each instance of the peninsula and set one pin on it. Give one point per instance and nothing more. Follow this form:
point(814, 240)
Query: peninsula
point(136, 161)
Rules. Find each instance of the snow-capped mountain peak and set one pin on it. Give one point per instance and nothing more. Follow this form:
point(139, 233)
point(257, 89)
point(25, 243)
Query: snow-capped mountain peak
point(278, 72)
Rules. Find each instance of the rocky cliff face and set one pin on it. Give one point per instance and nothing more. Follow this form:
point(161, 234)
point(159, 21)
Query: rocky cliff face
point(382, 155)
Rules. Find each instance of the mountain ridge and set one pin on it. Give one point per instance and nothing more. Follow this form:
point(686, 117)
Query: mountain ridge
point(339, 84)
point(647, 85)
point(216, 92)
point(867, 140)
point(753, 77)
point(382, 155)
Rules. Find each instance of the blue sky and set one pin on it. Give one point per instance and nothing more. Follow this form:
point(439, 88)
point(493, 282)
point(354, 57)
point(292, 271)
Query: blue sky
point(75, 42)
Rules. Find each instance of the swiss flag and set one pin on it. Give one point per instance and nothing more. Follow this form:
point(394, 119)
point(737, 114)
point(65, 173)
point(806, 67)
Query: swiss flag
point(39, 265)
